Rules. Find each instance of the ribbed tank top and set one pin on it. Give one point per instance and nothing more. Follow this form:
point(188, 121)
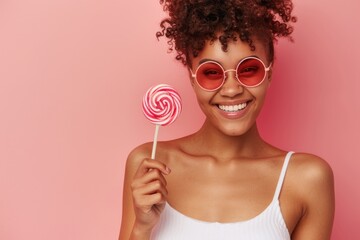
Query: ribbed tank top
point(268, 225)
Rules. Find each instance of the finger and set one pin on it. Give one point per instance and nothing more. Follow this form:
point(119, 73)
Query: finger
point(150, 176)
point(148, 164)
point(148, 201)
point(149, 195)
point(150, 188)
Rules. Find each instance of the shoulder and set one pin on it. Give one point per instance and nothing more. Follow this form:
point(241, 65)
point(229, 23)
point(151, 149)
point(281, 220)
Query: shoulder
point(311, 176)
point(164, 151)
point(310, 167)
point(137, 155)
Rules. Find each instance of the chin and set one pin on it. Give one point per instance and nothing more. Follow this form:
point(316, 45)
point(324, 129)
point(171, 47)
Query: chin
point(235, 131)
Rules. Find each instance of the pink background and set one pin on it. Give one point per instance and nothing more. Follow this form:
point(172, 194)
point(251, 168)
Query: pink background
point(72, 75)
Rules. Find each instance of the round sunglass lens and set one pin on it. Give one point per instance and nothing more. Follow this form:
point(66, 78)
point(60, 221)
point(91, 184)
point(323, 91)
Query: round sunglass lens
point(210, 75)
point(251, 72)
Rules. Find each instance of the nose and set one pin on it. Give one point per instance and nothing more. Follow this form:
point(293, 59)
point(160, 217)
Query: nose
point(231, 86)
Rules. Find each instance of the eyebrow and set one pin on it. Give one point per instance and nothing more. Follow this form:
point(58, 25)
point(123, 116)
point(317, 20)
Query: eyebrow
point(207, 60)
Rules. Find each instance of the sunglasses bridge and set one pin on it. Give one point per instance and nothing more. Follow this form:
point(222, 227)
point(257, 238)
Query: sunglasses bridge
point(230, 70)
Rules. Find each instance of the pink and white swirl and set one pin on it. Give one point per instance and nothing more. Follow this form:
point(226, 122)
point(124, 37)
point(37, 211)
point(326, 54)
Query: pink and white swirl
point(161, 104)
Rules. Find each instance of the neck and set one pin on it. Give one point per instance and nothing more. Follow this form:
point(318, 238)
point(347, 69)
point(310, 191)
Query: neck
point(221, 146)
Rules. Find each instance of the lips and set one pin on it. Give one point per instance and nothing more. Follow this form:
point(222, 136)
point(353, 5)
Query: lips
point(233, 108)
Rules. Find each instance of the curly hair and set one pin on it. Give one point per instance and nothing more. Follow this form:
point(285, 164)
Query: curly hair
point(190, 23)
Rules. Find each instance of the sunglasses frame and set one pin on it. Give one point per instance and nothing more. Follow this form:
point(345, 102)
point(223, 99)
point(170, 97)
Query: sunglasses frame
point(231, 70)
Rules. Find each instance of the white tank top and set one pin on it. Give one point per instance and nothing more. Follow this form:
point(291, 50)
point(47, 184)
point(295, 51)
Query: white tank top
point(268, 225)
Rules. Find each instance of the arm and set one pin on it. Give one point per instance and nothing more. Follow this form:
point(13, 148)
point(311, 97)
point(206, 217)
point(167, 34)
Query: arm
point(317, 193)
point(144, 195)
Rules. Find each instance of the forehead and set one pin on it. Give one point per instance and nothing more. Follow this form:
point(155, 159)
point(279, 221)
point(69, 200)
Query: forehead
point(236, 51)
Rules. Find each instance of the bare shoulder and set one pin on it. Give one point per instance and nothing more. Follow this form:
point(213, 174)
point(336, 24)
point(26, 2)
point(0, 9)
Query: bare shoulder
point(310, 168)
point(312, 177)
point(164, 151)
point(137, 155)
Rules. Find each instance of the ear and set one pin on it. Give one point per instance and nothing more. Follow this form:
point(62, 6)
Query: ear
point(192, 80)
point(269, 76)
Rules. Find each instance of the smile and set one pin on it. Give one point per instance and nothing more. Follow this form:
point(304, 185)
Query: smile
point(233, 108)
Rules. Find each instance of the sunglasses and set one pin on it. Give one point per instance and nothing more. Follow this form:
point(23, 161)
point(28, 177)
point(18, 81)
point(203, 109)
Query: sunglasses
point(250, 72)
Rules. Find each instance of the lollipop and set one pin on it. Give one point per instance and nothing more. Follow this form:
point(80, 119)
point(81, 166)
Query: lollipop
point(161, 106)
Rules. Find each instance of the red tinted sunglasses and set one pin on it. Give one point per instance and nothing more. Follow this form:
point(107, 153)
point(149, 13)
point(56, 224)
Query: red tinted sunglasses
point(250, 72)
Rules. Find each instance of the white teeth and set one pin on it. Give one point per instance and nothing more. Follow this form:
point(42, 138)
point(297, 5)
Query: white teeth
point(232, 108)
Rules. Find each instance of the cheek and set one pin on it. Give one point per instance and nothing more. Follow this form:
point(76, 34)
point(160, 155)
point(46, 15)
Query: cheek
point(261, 90)
point(260, 93)
point(203, 98)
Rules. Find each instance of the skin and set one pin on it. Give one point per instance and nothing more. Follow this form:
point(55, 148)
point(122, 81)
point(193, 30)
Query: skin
point(226, 172)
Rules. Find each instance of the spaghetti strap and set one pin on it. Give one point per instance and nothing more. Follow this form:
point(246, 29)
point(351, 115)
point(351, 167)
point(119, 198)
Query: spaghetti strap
point(282, 175)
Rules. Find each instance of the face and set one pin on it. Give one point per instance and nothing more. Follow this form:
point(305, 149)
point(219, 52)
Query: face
point(233, 108)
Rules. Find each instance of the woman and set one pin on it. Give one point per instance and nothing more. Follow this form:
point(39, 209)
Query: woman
point(225, 181)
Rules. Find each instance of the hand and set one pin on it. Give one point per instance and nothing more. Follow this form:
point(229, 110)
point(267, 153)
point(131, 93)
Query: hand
point(149, 192)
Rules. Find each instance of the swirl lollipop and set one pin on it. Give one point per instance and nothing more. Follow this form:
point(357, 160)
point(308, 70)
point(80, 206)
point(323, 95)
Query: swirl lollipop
point(161, 106)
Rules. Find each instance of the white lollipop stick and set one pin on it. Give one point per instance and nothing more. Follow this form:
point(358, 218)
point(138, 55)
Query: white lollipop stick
point(157, 127)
